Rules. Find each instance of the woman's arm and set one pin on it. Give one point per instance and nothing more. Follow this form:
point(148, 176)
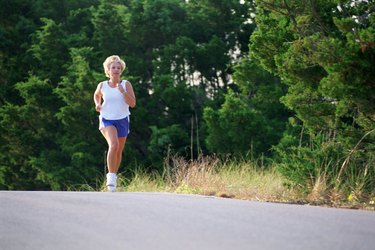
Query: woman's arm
point(129, 94)
point(98, 97)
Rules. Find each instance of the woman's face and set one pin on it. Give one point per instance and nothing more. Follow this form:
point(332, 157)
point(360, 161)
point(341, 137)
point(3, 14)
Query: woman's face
point(115, 70)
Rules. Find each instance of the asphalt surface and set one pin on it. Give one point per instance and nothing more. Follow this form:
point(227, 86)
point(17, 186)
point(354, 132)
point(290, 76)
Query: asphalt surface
point(89, 220)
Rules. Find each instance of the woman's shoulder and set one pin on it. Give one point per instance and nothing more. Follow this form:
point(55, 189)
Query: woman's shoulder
point(126, 82)
point(102, 83)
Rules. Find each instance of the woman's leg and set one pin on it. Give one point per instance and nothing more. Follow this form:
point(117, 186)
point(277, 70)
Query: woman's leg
point(121, 145)
point(110, 134)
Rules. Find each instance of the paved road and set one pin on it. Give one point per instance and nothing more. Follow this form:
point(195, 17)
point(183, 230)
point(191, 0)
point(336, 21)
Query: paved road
point(89, 220)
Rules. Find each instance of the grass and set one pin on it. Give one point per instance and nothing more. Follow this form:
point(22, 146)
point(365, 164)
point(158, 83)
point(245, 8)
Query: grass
point(348, 182)
point(349, 192)
point(242, 180)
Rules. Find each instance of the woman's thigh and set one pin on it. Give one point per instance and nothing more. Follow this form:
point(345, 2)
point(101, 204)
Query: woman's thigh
point(110, 134)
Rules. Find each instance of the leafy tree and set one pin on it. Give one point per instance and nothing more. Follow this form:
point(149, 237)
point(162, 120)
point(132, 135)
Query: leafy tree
point(252, 120)
point(235, 128)
point(31, 157)
point(264, 92)
point(164, 33)
point(28, 133)
point(180, 57)
point(205, 53)
point(80, 141)
point(328, 73)
point(324, 52)
point(202, 57)
point(170, 138)
point(17, 22)
point(109, 19)
point(48, 52)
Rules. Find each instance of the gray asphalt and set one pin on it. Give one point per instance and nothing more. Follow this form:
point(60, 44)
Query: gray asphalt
point(89, 220)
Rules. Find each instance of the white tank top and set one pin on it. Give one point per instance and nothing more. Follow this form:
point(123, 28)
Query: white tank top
point(114, 106)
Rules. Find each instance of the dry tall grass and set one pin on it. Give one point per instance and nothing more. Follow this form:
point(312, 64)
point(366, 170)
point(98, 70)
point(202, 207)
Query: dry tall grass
point(210, 176)
point(241, 180)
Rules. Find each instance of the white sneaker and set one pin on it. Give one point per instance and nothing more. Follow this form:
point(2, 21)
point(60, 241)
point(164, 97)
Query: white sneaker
point(111, 182)
point(111, 189)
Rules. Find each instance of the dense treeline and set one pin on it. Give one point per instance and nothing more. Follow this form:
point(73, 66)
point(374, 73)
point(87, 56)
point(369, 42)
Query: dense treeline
point(291, 81)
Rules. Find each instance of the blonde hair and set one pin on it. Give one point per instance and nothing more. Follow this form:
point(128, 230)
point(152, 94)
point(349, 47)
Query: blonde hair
point(112, 59)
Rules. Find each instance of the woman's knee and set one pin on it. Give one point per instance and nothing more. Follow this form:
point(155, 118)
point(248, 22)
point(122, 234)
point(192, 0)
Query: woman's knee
point(114, 145)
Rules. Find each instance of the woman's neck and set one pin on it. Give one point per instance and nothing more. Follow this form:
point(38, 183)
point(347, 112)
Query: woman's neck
point(114, 81)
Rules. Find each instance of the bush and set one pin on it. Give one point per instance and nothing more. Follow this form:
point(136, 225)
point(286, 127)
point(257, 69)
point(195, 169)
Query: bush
point(348, 168)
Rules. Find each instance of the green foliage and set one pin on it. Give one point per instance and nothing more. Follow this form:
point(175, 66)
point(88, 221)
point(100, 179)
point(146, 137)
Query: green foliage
point(15, 30)
point(196, 90)
point(110, 16)
point(303, 161)
point(263, 90)
point(303, 158)
point(235, 128)
point(81, 141)
point(324, 52)
point(250, 121)
point(165, 139)
point(328, 70)
point(47, 52)
point(174, 100)
point(26, 128)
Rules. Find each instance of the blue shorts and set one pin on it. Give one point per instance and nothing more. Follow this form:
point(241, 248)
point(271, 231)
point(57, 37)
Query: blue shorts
point(122, 125)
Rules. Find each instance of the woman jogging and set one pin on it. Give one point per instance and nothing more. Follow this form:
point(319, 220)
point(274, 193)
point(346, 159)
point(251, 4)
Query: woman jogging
point(117, 96)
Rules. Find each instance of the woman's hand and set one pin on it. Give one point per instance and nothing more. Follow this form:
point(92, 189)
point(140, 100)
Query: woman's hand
point(120, 88)
point(98, 107)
